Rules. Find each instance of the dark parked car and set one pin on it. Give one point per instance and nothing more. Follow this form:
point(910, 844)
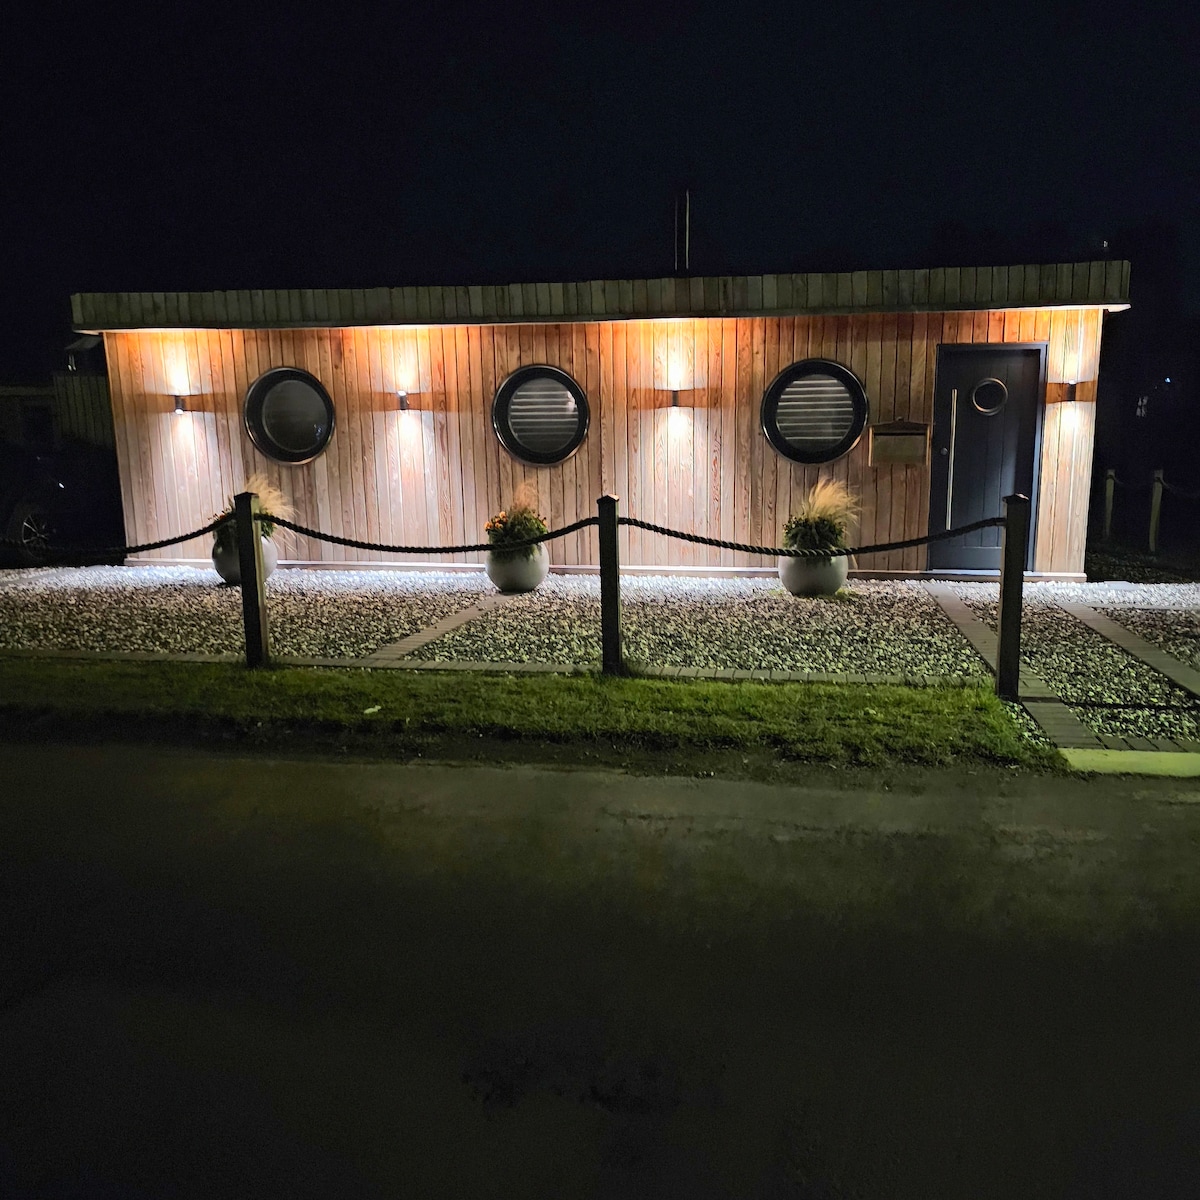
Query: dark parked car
point(68, 497)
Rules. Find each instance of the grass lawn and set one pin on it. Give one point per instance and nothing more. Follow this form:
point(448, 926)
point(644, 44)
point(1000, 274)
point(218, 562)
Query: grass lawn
point(261, 977)
point(692, 725)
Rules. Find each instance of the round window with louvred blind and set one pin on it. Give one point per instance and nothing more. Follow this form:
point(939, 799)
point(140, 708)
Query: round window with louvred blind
point(815, 411)
point(540, 415)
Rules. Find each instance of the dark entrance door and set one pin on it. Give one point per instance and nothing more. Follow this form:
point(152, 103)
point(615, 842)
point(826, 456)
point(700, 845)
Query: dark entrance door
point(986, 410)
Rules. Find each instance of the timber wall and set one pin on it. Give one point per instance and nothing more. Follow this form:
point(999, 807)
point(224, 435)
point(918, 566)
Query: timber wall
point(435, 473)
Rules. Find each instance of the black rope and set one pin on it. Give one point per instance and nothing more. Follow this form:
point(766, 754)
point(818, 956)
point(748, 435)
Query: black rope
point(1131, 487)
point(50, 557)
point(68, 553)
point(785, 552)
point(341, 541)
point(1180, 492)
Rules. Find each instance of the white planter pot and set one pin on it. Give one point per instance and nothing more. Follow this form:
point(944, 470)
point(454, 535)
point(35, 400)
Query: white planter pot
point(225, 560)
point(518, 572)
point(813, 576)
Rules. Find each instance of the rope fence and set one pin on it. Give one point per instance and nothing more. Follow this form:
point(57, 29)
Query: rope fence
point(793, 552)
point(357, 545)
point(63, 555)
point(1157, 486)
point(248, 514)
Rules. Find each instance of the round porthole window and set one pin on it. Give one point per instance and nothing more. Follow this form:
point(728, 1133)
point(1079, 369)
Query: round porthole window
point(540, 415)
point(289, 415)
point(989, 395)
point(815, 411)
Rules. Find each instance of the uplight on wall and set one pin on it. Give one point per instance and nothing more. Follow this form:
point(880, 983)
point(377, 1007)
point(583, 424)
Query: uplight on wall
point(402, 399)
point(180, 406)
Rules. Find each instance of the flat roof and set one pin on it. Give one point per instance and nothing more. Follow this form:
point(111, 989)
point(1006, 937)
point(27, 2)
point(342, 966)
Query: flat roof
point(1103, 284)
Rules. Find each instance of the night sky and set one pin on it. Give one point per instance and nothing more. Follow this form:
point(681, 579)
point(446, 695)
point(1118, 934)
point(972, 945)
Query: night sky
point(494, 143)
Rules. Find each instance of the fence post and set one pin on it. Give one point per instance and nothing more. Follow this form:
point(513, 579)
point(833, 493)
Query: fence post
point(1156, 492)
point(1014, 547)
point(1110, 484)
point(254, 592)
point(610, 587)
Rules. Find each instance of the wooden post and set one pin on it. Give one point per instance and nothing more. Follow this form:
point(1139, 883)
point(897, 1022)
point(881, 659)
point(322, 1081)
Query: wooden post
point(1014, 547)
point(1156, 492)
point(610, 587)
point(254, 591)
point(1110, 485)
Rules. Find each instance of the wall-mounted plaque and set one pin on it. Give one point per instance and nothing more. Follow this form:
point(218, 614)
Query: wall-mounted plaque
point(898, 444)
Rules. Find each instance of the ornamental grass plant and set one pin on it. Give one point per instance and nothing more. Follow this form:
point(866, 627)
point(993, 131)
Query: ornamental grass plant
point(271, 500)
point(823, 517)
point(517, 523)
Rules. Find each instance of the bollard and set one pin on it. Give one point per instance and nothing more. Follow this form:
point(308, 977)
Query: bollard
point(1156, 492)
point(254, 591)
point(1013, 550)
point(1110, 484)
point(610, 587)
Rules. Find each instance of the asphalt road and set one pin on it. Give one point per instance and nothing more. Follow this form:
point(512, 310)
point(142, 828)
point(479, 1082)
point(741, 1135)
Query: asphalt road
point(230, 976)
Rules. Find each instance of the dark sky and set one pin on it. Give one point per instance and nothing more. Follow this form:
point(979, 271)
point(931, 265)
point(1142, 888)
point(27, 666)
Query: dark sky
point(492, 142)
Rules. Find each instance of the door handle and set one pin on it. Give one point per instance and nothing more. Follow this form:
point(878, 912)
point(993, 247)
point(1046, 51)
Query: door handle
point(944, 451)
point(950, 453)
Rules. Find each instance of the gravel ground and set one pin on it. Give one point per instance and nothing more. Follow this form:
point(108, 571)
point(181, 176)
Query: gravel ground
point(890, 628)
point(334, 614)
point(1109, 690)
point(1176, 632)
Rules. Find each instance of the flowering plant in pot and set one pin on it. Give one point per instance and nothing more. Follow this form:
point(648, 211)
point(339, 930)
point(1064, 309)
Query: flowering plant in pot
point(820, 522)
point(225, 544)
point(522, 568)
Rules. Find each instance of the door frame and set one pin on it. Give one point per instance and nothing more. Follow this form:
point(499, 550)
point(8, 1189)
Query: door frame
point(1043, 349)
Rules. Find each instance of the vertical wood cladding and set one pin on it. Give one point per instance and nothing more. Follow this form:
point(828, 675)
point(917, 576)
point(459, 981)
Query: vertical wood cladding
point(434, 474)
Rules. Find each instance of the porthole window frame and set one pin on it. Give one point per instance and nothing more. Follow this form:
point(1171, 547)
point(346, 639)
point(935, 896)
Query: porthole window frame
point(798, 370)
point(996, 409)
point(252, 415)
point(502, 401)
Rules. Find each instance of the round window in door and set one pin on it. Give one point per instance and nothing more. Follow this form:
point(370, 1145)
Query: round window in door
point(989, 395)
point(289, 415)
point(540, 415)
point(815, 411)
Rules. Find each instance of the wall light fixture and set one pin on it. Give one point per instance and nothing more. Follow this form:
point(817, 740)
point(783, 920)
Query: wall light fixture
point(180, 406)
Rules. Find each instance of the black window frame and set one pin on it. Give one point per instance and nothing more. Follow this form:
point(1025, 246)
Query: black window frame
point(252, 415)
point(798, 370)
point(503, 428)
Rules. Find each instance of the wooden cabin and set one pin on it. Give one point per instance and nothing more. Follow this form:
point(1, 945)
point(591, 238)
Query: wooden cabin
point(410, 415)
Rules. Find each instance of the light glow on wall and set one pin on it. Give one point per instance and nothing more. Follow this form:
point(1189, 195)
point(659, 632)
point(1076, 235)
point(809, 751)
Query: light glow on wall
point(176, 378)
point(1074, 346)
point(402, 368)
point(679, 422)
point(674, 354)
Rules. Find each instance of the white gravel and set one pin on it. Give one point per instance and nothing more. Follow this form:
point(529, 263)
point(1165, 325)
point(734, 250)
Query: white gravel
point(1108, 690)
point(892, 628)
point(1176, 632)
point(1164, 596)
point(334, 614)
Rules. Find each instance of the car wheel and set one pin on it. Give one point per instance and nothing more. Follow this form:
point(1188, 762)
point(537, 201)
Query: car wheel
point(31, 528)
